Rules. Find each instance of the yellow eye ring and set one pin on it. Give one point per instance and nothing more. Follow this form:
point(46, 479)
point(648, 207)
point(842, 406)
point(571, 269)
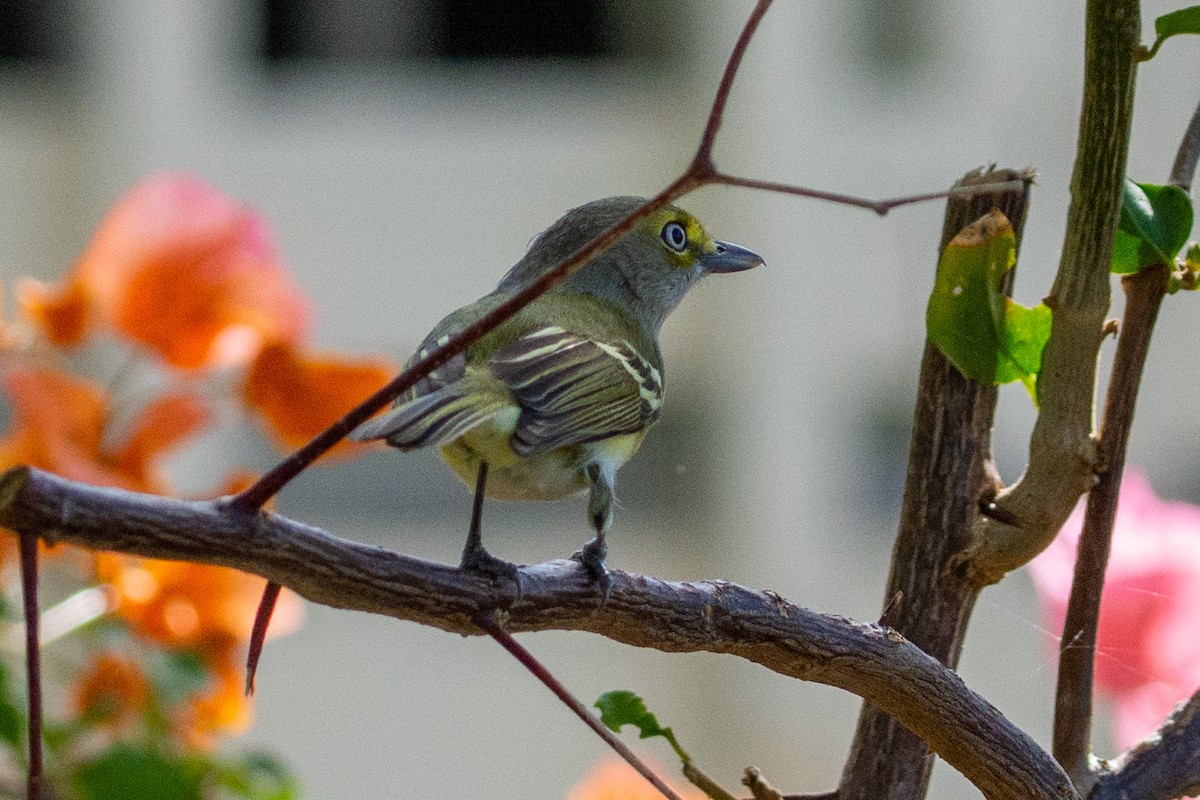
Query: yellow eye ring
point(674, 236)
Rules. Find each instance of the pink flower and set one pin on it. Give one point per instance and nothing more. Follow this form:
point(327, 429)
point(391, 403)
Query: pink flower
point(1148, 649)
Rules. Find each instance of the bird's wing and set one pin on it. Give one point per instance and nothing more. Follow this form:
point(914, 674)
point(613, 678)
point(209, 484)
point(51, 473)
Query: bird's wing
point(444, 404)
point(574, 390)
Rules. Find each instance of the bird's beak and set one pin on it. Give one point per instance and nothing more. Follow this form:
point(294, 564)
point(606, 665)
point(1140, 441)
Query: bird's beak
point(729, 257)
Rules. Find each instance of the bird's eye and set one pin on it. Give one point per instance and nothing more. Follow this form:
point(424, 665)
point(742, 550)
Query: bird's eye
point(674, 236)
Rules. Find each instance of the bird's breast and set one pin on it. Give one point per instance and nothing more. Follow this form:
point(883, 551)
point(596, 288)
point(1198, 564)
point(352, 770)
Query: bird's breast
point(550, 475)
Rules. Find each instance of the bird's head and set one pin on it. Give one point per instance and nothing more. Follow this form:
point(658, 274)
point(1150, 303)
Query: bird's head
point(646, 272)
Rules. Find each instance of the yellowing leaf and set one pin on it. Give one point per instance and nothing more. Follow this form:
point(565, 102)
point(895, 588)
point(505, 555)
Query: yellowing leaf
point(986, 335)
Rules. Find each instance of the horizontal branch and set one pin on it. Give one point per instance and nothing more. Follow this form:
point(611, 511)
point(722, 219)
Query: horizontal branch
point(1165, 765)
point(715, 616)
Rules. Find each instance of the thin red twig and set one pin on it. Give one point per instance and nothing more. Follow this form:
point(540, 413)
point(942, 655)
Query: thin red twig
point(699, 173)
point(880, 207)
point(786, 188)
point(539, 671)
point(702, 164)
point(33, 661)
point(1183, 171)
point(258, 634)
point(1144, 293)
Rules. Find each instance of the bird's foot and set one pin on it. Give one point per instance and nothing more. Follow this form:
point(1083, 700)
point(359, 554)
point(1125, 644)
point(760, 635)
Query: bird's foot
point(480, 561)
point(592, 556)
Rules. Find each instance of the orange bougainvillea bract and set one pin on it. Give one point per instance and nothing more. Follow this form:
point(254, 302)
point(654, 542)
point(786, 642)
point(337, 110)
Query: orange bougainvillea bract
point(222, 709)
point(300, 395)
point(182, 269)
point(59, 425)
point(203, 609)
point(112, 690)
point(190, 606)
point(62, 313)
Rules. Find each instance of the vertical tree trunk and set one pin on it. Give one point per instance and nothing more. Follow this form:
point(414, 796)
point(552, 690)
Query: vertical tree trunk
point(949, 475)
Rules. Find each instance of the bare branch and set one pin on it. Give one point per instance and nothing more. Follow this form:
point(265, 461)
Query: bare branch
point(712, 616)
point(1163, 766)
point(702, 164)
point(880, 207)
point(1144, 293)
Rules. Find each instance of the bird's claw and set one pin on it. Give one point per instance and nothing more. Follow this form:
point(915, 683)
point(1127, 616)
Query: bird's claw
point(592, 556)
point(480, 561)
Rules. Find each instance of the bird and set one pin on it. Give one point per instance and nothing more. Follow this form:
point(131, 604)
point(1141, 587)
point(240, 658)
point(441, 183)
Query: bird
point(559, 396)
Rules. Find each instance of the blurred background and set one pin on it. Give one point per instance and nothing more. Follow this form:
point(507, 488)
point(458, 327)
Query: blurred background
point(407, 151)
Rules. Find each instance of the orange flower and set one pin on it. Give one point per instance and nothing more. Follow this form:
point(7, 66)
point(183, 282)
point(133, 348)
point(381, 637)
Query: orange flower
point(160, 426)
point(112, 691)
point(614, 779)
point(222, 710)
point(190, 606)
point(300, 395)
point(62, 313)
point(181, 268)
point(59, 425)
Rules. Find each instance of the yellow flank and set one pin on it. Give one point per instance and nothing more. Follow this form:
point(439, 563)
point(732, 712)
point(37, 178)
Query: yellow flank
point(546, 476)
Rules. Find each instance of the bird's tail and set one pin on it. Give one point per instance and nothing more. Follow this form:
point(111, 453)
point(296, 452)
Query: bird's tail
point(434, 419)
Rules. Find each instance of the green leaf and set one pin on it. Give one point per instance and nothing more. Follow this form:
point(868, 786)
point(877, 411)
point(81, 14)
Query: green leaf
point(58, 735)
point(1185, 20)
point(12, 725)
point(125, 772)
point(621, 708)
point(1155, 223)
point(986, 335)
point(12, 714)
point(259, 776)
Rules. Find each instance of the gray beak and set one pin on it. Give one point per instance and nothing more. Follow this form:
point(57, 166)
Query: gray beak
point(729, 257)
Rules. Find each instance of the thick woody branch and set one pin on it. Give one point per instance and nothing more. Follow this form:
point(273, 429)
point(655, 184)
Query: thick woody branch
point(1073, 698)
point(1165, 765)
point(1144, 294)
point(714, 616)
point(1061, 450)
point(950, 476)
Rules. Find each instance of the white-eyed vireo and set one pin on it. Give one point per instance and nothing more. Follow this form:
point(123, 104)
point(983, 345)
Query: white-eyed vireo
point(559, 396)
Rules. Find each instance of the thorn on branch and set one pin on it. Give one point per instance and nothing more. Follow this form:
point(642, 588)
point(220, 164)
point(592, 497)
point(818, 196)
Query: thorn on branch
point(889, 611)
